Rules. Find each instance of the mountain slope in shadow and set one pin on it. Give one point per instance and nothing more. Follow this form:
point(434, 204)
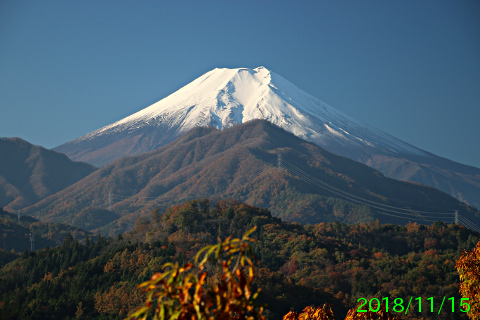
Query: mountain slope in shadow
point(30, 173)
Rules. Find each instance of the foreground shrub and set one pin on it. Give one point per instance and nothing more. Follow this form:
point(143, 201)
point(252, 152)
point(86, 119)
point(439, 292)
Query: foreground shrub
point(190, 292)
point(468, 267)
point(325, 313)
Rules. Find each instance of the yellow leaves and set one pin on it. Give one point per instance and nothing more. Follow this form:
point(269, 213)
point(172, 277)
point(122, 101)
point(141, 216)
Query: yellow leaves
point(292, 315)
point(119, 299)
point(156, 276)
point(381, 314)
point(109, 267)
point(184, 293)
point(131, 261)
point(325, 313)
point(249, 232)
point(310, 313)
point(48, 277)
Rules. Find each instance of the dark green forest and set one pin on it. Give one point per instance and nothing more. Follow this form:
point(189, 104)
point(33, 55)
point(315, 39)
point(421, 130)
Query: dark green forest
point(14, 234)
point(298, 265)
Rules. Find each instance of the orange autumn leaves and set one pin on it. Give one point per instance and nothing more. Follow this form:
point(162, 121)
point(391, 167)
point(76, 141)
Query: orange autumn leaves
point(325, 313)
point(468, 267)
point(195, 291)
point(219, 286)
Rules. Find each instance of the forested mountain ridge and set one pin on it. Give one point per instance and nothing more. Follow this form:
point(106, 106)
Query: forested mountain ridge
point(241, 162)
point(30, 173)
point(14, 234)
point(226, 97)
point(299, 265)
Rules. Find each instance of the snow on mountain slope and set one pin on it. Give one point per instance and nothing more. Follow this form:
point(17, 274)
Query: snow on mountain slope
point(224, 97)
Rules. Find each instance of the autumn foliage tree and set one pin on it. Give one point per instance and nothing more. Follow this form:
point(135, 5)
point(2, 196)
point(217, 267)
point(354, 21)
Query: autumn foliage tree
point(190, 292)
point(311, 313)
point(119, 299)
point(468, 267)
point(325, 312)
point(381, 314)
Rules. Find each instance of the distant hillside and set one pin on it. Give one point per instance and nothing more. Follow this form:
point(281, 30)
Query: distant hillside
point(308, 184)
point(458, 180)
point(298, 265)
point(15, 235)
point(31, 173)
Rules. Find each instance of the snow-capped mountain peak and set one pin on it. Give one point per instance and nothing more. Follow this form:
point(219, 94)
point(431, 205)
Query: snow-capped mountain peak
point(225, 97)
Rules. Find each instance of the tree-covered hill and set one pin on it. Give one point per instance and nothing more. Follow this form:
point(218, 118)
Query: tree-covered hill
point(30, 173)
point(14, 234)
point(299, 265)
point(307, 185)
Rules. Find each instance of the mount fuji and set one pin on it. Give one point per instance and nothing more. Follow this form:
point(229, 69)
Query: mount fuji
point(224, 97)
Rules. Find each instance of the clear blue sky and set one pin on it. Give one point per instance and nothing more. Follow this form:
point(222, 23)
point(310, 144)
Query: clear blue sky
point(410, 68)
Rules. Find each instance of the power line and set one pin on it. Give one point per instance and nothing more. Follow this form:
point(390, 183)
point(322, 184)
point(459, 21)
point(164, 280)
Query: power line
point(409, 218)
point(467, 223)
point(340, 193)
point(357, 198)
point(360, 198)
point(279, 163)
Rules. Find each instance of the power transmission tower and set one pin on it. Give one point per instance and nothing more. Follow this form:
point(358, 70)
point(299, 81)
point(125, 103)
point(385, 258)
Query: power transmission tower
point(32, 241)
point(279, 162)
point(456, 217)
